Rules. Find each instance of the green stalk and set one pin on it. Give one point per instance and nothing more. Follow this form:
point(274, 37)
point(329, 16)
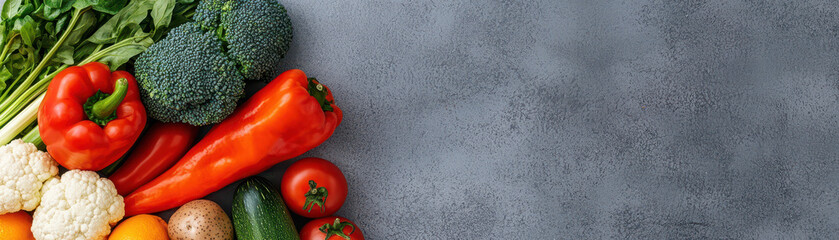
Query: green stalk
point(34, 137)
point(7, 103)
point(32, 92)
point(20, 122)
point(7, 47)
point(10, 86)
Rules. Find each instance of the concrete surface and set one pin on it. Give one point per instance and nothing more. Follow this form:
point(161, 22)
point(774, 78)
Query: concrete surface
point(579, 119)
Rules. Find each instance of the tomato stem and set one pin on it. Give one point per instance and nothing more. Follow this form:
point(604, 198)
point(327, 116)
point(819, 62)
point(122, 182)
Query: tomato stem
point(337, 228)
point(315, 195)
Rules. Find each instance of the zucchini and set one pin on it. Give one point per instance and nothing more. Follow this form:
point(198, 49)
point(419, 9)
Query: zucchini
point(260, 213)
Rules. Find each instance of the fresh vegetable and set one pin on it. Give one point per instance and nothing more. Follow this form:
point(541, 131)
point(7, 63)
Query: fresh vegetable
point(141, 227)
point(90, 116)
point(286, 118)
point(41, 38)
point(23, 171)
point(16, 226)
point(259, 212)
point(331, 228)
point(79, 205)
point(314, 188)
point(257, 33)
point(196, 74)
point(161, 146)
point(186, 78)
point(199, 220)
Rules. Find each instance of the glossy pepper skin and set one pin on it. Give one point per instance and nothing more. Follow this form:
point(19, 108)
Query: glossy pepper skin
point(286, 118)
point(90, 139)
point(161, 146)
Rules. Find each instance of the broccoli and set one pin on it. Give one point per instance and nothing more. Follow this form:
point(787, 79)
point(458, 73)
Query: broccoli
point(197, 73)
point(187, 78)
point(256, 33)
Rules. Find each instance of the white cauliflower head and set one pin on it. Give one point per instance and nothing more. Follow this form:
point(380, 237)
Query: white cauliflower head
point(23, 170)
point(78, 206)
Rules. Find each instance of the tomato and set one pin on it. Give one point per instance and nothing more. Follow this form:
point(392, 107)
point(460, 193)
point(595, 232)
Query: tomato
point(313, 188)
point(331, 228)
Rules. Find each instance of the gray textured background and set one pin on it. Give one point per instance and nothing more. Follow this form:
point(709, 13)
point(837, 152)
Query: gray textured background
point(579, 119)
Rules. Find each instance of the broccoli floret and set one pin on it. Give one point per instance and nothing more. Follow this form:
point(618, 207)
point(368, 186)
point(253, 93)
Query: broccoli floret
point(256, 33)
point(186, 77)
point(208, 13)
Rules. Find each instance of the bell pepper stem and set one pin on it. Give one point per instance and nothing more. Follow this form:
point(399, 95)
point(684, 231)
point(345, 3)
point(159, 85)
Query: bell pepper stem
point(319, 92)
point(105, 107)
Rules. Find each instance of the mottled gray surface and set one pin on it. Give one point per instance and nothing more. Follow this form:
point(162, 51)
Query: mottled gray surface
point(580, 119)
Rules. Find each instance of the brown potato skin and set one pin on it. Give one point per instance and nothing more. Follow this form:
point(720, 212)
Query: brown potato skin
point(200, 220)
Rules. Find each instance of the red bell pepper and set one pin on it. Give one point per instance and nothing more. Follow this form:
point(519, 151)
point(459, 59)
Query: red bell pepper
point(90, 116)
point(286, 118)
point(160, 148)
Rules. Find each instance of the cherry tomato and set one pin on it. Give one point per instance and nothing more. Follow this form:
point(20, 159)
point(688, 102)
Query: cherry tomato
point(331, 228)
point(313, 188)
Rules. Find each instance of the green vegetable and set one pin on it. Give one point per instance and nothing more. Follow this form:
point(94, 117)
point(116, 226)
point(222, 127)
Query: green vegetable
point(257, 33)
point(259, 212)
point(200, 85)
point(195, 84)
point(42, 37)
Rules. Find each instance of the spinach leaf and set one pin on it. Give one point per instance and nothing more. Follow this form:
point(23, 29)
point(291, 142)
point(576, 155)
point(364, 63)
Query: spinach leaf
point(64, 55)
point(119, 56)
point(10, 8)
point(27, 29)
point(105, 6)
point(161, 13)
point(54, 8)
point(130, 15)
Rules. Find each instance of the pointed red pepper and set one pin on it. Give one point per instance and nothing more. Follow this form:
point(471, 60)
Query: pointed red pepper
point(286, 118)
point(90, 116)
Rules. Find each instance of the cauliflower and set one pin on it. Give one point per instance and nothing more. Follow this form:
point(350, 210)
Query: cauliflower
point(78, 206)
point(23, 170)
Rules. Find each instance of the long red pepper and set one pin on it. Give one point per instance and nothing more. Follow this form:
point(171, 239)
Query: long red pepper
point(157, 150)
point(286, 118)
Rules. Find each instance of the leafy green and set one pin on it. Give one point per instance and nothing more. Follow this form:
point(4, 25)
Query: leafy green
point(39, 38)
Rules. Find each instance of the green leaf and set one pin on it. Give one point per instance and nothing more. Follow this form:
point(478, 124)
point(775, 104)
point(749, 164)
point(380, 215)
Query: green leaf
point(85, 22)
point(54, 8)
point(61, 24)
point(54, 3)
point(130, 15)
point(84, 50)
point(27, 29)
point(119, 56)
point(5, 76)
point(24, 10)
point(64, 55)
point(161, 13)
point(105, 6)
point(10, 8)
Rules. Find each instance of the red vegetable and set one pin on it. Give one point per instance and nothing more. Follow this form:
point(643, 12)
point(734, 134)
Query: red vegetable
point(288, 117)
point(331, 228)
point(313, 188)
point(90, 116)
point(161, 146)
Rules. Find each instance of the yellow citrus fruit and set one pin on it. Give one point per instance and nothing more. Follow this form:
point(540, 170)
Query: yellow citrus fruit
point(16, 225)
point(141, 227)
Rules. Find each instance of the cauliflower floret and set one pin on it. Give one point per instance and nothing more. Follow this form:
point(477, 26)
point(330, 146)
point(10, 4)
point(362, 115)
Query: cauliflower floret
point(23, 170)
point(78, 206)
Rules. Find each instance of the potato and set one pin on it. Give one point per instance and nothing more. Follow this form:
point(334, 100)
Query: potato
point(200, 219)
